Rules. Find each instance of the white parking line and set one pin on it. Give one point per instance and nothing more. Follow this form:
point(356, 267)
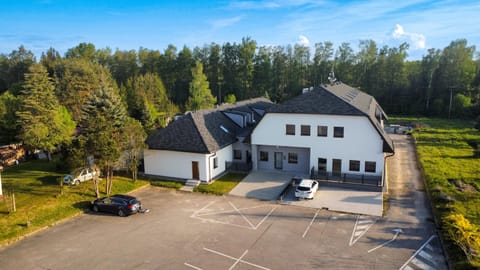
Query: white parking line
point(362, 225)
point(405, 265)
point(193, 266)
point(309, 225)
point(244, 217)
point(237, 260)
point(199, 215)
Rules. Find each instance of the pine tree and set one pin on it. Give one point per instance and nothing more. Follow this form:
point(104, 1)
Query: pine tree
point(102, 122)
point(45, 125)
point(200, 95)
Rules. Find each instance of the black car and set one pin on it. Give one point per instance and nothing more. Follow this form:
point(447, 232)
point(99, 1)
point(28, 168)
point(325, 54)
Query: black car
point(122, 205)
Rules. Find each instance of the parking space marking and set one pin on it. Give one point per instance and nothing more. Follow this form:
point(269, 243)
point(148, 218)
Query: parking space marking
point(237, 260)
point(193, 266)
point(309, 225)
point(362, 225)
point(241, 214)
point(425, 258)
point(204, 211)
point(396, 231)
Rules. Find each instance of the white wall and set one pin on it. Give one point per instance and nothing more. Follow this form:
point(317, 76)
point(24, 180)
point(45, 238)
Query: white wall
point(223, 155)
point(174, 164)
point(179, 164)
point(361, 141)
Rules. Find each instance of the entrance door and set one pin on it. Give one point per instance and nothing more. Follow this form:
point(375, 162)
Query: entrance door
point(337, 167)
point(322, 166)
point(278, 160)
point(195, 174)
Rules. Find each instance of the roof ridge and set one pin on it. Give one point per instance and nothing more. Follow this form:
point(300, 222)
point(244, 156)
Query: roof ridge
point(198, 131)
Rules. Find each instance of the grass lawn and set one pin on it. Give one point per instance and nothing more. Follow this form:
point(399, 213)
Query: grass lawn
point(167, 184)
point(38, 199)
point(453, 179)
point(222, 185)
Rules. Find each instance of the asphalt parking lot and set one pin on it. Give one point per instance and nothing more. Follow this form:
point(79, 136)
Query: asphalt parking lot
point(197, 231)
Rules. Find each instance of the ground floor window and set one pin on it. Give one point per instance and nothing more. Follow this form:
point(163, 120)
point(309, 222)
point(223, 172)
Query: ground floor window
point(370, 166)
point(354, 165)
point(263, 156)
point(322, 165)
point(237, 154)
point(292, 158)
point(215, 163)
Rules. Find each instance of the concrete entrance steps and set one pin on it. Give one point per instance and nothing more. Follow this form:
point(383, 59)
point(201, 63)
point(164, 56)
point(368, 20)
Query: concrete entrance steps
point(190, 185)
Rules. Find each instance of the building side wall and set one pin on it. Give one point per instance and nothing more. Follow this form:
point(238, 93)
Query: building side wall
point(360, 142)
point(174, 164)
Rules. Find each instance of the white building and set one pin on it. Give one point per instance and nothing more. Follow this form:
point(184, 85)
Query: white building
point(200, 145)
point(333, 132)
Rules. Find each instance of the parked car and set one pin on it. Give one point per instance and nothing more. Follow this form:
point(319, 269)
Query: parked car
point(122, 205)
point(306, 189)
point(79, 175)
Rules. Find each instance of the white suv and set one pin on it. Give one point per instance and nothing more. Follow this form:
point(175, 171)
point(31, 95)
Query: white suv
point(306, 189)
point(78, 176)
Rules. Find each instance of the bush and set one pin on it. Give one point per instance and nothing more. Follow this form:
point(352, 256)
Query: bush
point(465, 234)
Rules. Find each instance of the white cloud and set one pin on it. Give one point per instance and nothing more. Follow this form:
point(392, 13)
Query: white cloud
point(303, 40)
point(221, 23)
point(418, 40)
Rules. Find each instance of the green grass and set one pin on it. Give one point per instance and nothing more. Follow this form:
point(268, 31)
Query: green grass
point(167, 184)
point(445, 158)
point(38, 200)
point(222, 185)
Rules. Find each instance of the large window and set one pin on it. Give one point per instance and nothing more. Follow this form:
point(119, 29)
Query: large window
point(263, 156)
point(292, 158)
point(305, 130)
point(338, 132)
point(322, 131)
point(290, 129)
point(354, 165)
point(215, 162)
point(370, 166)
point(237, 154)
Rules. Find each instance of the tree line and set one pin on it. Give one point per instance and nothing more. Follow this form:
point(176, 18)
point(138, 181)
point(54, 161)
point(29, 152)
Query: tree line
point(93, 93)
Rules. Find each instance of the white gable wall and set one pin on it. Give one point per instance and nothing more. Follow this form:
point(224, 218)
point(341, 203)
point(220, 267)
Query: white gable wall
point(361, 141)
point(179, 164)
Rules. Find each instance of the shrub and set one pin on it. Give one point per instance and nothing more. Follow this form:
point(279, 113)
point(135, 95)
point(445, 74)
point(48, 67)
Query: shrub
point(465, 234)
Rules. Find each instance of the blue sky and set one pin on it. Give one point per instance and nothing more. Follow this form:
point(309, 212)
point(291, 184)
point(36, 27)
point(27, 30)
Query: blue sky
point(130, 24)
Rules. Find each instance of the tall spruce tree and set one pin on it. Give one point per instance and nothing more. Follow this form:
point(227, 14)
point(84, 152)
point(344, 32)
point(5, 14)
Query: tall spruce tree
point(44, 124)
point(102, 122)
point(200, 95)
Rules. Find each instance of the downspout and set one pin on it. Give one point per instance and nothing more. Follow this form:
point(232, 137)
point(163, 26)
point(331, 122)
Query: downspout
point(384, 179)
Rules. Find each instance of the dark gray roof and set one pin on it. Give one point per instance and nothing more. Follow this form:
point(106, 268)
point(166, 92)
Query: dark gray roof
point(204, 131)
point(337, 99)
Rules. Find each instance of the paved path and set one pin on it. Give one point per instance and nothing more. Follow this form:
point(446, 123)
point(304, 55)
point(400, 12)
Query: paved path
point(262, 185)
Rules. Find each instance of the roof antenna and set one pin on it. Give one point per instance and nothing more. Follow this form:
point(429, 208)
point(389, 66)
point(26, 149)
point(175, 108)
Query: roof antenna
point(331, 75)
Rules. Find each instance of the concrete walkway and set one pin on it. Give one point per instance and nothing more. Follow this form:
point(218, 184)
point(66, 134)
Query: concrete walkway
point(270, 185)
point(262, 185)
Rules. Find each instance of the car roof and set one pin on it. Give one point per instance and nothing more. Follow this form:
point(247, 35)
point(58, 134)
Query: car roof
point(121, 196)
point(306, 182)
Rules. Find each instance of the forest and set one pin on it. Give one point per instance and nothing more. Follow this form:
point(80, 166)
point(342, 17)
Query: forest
point(151, 86)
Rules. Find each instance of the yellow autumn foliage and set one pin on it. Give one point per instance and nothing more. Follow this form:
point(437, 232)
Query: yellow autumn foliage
point(465, 234)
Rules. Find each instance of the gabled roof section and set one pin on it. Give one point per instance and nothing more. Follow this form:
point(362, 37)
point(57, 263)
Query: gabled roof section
point(204, 131)
point(337, 99)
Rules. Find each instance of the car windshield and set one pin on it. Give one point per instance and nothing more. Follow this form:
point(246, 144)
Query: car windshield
point(303, 188)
